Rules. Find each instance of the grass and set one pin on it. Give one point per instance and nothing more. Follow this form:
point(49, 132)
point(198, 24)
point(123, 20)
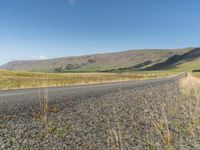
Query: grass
point(169, 120)
point(19, 79)
point(188, 66)
point(44, 112)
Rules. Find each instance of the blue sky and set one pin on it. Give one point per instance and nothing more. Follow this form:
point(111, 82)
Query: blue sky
point(38, 29)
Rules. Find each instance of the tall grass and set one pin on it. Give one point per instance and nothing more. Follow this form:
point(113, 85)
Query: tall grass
point(44, 110)
point(168, 120)
point(15, 80)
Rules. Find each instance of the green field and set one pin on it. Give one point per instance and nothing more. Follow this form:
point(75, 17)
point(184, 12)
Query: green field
point(18, 79)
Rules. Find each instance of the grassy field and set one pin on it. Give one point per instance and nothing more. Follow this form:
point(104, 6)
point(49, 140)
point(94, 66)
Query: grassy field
point(16, 79)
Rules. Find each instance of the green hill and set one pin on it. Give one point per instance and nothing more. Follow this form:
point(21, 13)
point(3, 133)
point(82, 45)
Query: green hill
point(120, 61)
point(189, 61)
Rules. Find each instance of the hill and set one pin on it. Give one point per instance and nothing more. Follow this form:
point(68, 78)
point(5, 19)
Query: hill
point(126, 60)
point(188, 61)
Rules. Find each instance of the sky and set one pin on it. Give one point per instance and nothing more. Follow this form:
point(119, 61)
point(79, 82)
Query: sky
point(41, 29)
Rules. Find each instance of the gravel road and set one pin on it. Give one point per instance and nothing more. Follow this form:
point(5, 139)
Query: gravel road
point(97, 116)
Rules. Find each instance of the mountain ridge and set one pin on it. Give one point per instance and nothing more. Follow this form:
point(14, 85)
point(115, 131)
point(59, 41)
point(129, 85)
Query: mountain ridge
point(135, 59)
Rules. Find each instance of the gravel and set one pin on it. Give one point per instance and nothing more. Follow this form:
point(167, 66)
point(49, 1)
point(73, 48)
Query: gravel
point(117, 119)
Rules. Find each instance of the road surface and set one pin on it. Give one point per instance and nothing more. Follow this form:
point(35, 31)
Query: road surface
point(16, 101)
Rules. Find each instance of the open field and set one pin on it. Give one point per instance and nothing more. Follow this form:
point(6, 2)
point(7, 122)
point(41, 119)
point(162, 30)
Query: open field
point(17, 79)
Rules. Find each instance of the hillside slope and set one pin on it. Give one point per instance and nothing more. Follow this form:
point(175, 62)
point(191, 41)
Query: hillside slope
point(98, 62)
point(188, 61)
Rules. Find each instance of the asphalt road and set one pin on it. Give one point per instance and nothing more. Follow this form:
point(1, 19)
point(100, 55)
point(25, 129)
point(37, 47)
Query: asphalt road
point(16, 101)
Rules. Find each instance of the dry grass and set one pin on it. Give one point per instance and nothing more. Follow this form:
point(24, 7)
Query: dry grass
point(161, 120)
point(176, 122)
point(157, 120)
point(45, 110)
point(15, 80)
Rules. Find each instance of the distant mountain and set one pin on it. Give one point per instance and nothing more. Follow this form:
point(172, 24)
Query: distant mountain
point(126, 60)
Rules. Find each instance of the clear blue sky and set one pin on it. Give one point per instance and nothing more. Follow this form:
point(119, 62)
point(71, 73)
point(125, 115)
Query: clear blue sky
point(33, 29)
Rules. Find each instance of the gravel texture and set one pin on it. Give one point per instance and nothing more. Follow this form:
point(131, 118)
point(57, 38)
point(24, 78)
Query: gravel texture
point(90, 117)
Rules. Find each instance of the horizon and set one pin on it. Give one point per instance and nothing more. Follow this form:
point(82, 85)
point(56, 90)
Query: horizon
point(52, 29)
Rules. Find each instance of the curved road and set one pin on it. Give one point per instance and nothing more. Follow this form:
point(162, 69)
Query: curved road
point(17, 101)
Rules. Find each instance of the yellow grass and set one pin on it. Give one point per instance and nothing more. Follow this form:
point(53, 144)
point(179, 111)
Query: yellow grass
point(165, 122)
point(16, 80)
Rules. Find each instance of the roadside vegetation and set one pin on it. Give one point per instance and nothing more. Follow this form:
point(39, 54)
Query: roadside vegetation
point(162, 115)
point(171, 120)
point(18, 79)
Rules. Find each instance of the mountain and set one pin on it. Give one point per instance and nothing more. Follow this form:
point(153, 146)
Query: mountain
point(126, 60)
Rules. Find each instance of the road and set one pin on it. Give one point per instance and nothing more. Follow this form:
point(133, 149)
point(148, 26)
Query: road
point(88, 115)
point(16, 101)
